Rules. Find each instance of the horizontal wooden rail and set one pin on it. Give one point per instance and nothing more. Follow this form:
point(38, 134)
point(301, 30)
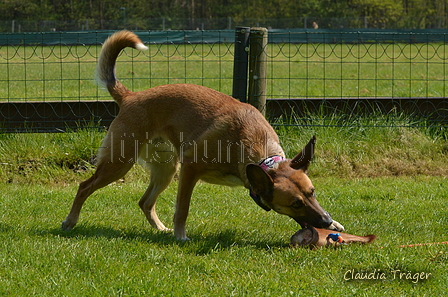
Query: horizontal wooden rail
point(55, 116)
point(434, 109)
point(72, 115)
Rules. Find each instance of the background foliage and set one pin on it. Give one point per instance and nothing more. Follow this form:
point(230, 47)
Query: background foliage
point(401, 13)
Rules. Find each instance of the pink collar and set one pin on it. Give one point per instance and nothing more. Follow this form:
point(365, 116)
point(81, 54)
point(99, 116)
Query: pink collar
point(266, 164)
point(269, 162)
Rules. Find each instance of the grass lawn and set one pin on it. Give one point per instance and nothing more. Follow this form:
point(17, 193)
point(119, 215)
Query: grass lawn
point(391, 182)
point(236, 248)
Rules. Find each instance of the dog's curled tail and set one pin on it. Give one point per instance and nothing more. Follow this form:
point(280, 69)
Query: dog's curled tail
point(105, 71)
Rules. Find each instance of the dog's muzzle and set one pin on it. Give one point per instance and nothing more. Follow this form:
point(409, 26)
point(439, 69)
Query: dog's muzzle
point(330, 225)
point(321, 222)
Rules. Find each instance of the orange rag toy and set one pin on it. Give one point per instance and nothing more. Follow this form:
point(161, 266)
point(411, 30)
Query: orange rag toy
point(315, 237)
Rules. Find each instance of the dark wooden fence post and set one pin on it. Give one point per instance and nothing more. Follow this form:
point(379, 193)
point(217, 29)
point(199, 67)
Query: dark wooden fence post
point(257, 68)
point(241, 63)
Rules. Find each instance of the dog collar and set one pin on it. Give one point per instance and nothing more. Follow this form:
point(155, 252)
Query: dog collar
point(266, 164)
point(269, 162)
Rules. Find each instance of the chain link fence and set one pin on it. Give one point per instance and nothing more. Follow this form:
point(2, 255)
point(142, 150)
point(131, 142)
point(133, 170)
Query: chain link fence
point(359, 73)
point(47, 78)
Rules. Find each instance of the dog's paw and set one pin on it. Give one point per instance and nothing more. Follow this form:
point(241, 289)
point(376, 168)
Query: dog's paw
point(184, 239)
point(66, 226)
point(336, 226)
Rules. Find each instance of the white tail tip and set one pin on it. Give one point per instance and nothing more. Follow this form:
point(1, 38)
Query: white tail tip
point(141, 47)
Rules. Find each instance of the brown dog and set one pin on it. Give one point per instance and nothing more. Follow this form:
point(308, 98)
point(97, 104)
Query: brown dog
point(214, 137)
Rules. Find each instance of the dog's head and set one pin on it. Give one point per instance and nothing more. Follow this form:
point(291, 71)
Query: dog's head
point(287, 189)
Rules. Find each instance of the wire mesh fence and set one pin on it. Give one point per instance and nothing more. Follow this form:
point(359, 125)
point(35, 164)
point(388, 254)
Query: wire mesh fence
point(359, 73)
point(47, 79)
point(46, 66)
point(352, 67)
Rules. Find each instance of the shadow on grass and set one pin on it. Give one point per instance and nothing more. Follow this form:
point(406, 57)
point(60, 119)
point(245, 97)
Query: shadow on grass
point(201, 244)
point(4, 228)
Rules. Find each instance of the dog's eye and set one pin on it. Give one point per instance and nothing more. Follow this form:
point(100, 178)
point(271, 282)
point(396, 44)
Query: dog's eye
point(313, 193)
point(298, 204)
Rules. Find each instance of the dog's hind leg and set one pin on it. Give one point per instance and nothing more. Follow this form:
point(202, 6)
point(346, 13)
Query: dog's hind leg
point(104, 175)
point(109, 169)
point(161, 175)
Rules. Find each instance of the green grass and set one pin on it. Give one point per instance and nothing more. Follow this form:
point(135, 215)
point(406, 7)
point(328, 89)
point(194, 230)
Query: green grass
point(369, 146)
point(357, 70)
point(294, 70)
point(348, 148)
point(389, 181)
point(236, 248)
point(67, 72)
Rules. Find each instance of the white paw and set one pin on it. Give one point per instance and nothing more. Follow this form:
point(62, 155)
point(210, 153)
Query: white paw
point(66, 226)
point(336, 226)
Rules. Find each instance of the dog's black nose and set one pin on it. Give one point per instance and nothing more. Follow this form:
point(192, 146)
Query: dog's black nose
point(325, 221)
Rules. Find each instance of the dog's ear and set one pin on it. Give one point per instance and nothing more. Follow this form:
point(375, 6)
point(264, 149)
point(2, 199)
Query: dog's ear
point(303, 159)
point(260, 180)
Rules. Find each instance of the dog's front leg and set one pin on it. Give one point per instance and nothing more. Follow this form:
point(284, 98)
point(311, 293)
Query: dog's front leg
point(187, 180)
